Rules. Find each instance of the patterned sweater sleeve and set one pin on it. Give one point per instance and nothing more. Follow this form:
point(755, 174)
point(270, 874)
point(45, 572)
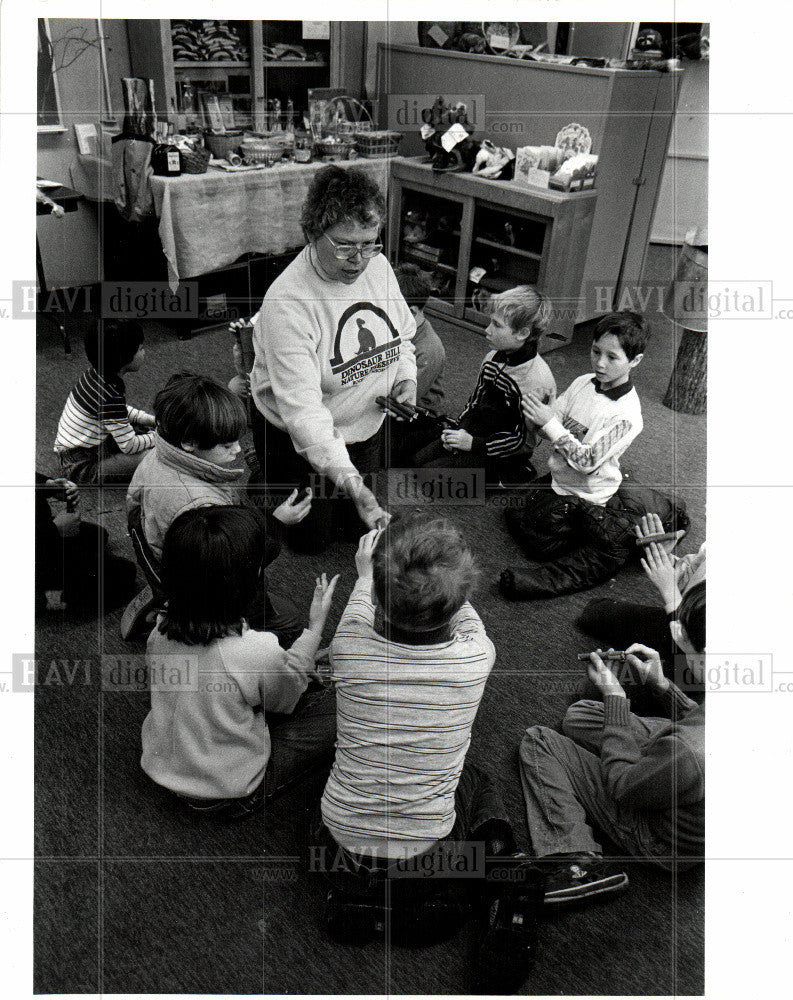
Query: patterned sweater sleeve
point(609, 442)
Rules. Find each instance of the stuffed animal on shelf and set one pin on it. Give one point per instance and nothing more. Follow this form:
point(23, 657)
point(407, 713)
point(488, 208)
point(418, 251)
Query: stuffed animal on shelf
point(414, 226)
point(456, 153)
point(494, 162)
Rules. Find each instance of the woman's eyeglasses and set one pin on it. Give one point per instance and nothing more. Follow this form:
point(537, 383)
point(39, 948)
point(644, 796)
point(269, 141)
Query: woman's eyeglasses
point(346, 251)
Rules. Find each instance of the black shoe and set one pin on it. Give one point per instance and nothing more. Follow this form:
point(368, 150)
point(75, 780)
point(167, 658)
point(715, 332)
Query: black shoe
point(580, 879)
point(508, 949)
point(353, 919)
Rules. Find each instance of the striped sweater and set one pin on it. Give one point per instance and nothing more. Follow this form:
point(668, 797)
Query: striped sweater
point(404, 718)
point(493, 415)
point(97, 407)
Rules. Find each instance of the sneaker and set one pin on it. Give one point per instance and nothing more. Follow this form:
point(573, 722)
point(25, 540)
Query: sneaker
point(508, 949)
point(581, 880)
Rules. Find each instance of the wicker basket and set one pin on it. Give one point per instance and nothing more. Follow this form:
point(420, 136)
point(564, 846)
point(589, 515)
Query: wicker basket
point(194, 161)
point(262, 151)
point(222, 143)
point(374, 144)
point(335, 149)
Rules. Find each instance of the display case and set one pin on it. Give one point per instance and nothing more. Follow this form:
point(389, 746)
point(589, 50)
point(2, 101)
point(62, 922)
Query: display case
point(245, 64)
point(476, 237)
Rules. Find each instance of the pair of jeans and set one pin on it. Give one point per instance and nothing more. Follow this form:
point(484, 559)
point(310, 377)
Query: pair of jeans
point(564, 790)
point(99, 465)
point(300, 743)
point(478, 807)
point(331, 518)
point(582, 543)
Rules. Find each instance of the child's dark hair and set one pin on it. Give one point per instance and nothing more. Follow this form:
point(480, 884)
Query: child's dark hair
point(197, 409)
point(691, 615)
point(522, 307)
point(338, 195)
point(630, 328)
point(414, 284)
point(112, 344)
point(211, 559)
point(423, 571)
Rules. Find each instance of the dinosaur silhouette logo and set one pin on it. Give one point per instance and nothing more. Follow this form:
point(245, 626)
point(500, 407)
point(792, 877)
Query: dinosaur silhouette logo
point(366, 341)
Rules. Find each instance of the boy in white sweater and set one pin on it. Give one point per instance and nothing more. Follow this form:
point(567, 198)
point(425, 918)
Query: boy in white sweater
point(575, 516)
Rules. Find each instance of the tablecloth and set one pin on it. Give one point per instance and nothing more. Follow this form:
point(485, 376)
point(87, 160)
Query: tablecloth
point(207, 221)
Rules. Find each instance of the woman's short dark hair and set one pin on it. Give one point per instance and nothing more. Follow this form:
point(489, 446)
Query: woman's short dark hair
point(211, 559)
point(112, 344)
point(197, 409)
point(691, 615)
point(423, 571)
point(339, 195)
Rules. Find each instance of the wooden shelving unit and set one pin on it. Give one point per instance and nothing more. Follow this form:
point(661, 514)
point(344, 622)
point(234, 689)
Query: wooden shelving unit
point(249, 83)
point(459, 209)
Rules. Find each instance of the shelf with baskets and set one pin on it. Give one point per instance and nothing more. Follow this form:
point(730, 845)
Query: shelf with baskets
point(476, 237)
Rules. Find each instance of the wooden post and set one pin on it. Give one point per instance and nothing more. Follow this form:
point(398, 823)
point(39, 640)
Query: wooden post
point(688, 386)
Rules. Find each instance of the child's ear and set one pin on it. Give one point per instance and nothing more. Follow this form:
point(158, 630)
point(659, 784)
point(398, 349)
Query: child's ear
point(636, 360)
point(190, 446)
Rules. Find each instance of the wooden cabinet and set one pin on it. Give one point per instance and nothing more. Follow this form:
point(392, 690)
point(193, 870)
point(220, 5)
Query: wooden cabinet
point(629, 115)
point(245, 84)
point(479, 236)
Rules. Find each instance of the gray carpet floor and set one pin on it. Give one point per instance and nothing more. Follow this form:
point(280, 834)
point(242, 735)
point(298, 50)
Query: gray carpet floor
point(134, 897)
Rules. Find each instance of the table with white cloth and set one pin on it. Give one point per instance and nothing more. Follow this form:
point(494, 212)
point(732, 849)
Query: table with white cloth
point(208, 221)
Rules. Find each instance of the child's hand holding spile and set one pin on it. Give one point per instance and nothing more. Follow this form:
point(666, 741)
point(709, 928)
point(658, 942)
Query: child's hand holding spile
point(290, 512)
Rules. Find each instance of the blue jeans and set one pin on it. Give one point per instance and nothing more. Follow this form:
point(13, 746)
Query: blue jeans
point(299, 743)
point(564, 790)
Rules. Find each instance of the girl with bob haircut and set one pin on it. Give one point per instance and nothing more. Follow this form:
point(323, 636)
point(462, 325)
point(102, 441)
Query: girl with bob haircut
point(206, 739)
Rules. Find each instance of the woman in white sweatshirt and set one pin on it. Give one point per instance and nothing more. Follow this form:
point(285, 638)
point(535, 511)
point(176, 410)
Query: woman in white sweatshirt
point(333, 334)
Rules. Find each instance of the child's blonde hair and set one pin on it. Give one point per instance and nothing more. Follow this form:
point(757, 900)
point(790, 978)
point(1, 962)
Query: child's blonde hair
point(522, 306)
point(423, 571)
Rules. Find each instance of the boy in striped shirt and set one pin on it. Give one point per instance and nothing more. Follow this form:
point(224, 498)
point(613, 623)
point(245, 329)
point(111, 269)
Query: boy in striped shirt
point(100, 438)
point(401, 795)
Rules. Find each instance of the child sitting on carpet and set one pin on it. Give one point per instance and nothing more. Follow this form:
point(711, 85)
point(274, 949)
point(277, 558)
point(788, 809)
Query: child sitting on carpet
point(618, 623)
point(407, 696)
point(199, 423)
point(207, 737)
point(575, 515)
point(100, 438)
point(641, 781)
point(491, 431)
point(430, 354)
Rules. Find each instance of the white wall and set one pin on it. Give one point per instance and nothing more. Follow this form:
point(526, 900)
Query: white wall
point(683, 198)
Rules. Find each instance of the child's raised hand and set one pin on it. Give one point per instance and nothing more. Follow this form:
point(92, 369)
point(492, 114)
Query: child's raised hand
point(661, 571)
point(363, 557)
point(647, 664)
point(290, 512)
point(651, 524)
point(535, 410)
point(321, 601)
point(456, 439)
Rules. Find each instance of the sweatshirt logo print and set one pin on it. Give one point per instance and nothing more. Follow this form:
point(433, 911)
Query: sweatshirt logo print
point(366, 340)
